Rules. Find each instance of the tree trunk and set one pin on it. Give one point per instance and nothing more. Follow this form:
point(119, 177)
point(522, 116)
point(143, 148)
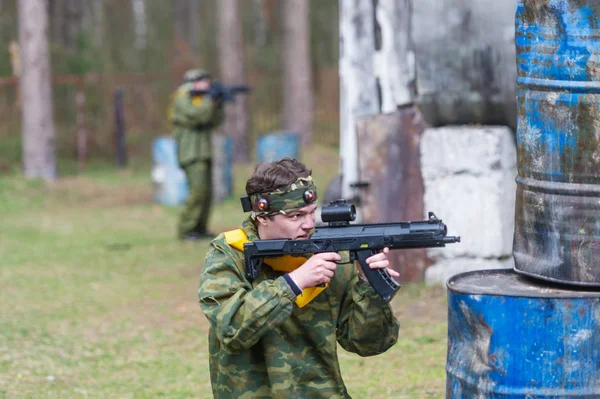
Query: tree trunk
point(39, 158)
point(73, 25)
point(98, 31)
point(358, 85)
point(66, 21)
point(260, 23)
point(194, 31)
point(296, 69)
point(233, 71)
point(181, 19)
point(395, 61)
point(187, 24)
point(57, 20)
point(139, 24)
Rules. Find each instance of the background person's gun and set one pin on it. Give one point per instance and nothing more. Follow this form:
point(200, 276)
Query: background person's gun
point(222, 93)
point(361, 241)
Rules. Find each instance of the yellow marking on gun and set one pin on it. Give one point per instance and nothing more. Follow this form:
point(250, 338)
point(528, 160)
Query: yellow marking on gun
point(364, 245)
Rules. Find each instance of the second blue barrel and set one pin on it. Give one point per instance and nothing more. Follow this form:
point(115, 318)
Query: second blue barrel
point(273, 146)
point(510, 336)
point(169, 182)
point(557, 221)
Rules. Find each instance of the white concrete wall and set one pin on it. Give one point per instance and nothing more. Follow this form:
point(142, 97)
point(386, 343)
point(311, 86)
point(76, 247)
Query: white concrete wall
point(469, 176)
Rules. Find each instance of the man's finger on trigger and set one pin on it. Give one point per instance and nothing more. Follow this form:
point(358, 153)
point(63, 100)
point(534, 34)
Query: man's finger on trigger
point(331, 256)
point(330, 265)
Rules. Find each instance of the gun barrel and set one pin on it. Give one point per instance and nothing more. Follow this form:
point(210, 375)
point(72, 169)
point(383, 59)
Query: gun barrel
point(239, 89)
point(451, 239)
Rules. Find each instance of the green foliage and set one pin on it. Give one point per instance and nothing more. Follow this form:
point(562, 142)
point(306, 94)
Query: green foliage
point(5, 66)
point(10, 151)
point(80, 62)
point(8, 32)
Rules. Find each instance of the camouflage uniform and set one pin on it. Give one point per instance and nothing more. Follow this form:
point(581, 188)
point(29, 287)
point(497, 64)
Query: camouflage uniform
point(263, 346)
point(193, 119)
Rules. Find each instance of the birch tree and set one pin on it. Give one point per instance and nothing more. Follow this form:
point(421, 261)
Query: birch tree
point(39, 158)
point(395, 58)
point(358, 84)
point(187, 23)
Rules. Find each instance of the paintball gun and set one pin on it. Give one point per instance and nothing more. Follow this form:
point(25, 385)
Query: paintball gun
point(361, 241)
point(220, 92)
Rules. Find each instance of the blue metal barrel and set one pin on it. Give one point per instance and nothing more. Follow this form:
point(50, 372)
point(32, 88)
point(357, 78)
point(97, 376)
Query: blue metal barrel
point(169, 182)
point(511, 336)
point(557, 221)
point(277, 145)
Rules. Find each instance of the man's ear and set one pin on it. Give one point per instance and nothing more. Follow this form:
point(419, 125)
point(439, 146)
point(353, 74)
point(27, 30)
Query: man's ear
point(262, 220)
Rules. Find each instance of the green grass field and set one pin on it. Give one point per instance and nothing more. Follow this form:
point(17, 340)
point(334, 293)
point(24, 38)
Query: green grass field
point(98, 299)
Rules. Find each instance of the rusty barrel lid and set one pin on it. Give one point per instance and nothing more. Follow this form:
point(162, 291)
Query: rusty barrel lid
point(506, 282)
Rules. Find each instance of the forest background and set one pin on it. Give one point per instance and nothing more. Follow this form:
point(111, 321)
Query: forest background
point(143, 48)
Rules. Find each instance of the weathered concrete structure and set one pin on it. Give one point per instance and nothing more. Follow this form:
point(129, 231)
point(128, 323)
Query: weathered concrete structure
point(469, 177)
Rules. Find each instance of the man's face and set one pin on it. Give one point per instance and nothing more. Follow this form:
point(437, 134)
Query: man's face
point(296, 225)
point(203, 84)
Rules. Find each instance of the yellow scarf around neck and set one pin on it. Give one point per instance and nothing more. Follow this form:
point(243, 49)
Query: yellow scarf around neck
point(286, 263)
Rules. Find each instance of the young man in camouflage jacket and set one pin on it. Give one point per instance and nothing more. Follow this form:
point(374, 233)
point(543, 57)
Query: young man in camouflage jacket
point(277, 336)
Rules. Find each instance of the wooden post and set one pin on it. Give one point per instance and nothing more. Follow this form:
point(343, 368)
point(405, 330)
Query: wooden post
point(120, 146)
point(390, 161)
point(81, 128)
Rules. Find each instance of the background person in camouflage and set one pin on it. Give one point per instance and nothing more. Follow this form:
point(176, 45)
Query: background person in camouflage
point(194, 117)
point(261, 343)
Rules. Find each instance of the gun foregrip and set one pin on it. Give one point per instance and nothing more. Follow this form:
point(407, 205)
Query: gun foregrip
point(383, 284)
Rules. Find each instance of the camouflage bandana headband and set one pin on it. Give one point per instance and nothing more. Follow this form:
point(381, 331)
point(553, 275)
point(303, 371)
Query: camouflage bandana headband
point(299, 194)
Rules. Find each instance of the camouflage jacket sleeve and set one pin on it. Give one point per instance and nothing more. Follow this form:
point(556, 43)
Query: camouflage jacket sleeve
point(192, 111)
point(239, 313)
point(366, 324)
